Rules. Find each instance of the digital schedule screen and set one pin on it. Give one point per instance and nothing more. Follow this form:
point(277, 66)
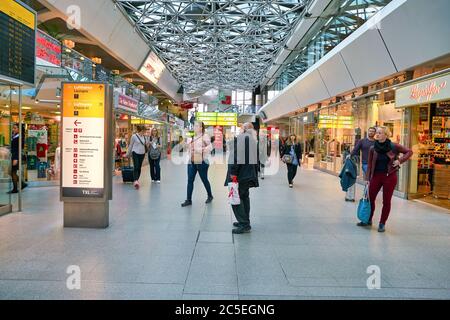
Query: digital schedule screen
point(17, 41)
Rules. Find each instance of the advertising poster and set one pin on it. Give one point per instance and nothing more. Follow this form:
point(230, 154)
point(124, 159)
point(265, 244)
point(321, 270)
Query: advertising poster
point(83, 136)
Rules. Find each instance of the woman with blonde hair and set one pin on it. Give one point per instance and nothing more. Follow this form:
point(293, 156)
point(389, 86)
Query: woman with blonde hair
point(292, 156)
point(154, 155)
point(384, 162)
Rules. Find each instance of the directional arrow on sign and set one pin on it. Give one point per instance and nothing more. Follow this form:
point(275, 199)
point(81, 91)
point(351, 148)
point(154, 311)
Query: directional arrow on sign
point(77, 123)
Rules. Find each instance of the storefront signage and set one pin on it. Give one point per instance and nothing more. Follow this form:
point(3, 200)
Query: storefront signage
point(125, 103)
point(17, 42)
point(83, 140)
point(443, 109)
point(424, 92)
point(335, 122)
point(217, 118)
point(48, 50)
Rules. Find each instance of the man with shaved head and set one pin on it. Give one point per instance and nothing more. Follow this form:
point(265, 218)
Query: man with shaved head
point(242, 168)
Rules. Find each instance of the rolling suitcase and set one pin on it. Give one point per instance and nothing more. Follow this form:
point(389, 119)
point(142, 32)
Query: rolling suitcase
point(127, 171)
point(127, 174)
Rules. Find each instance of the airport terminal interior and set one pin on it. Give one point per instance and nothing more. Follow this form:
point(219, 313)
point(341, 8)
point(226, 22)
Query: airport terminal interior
point(224, 150)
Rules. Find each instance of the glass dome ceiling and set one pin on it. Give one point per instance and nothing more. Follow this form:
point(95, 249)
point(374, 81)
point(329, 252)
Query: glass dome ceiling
point(216, 44)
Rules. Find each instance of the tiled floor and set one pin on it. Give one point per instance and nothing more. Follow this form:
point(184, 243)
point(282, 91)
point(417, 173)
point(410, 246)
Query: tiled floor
point(304, 245)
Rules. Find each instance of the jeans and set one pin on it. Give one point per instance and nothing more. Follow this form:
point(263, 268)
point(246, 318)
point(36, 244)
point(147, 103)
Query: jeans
point(202, 170)
point(155, 168)
point(292, 172)
point(388, 182)
point(138, 159)
point(242, 211)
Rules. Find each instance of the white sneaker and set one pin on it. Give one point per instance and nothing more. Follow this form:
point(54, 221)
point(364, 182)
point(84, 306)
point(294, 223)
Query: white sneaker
point(157, 181)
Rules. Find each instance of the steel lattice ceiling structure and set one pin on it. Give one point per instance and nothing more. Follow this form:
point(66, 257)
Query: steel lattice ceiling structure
point(216, 44)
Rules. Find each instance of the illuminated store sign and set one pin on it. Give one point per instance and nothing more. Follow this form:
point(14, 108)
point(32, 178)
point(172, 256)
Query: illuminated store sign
point(48, 50)
point(125, 103)
point(17, 42)
point(335, 122)
point(217, 118)
point(434, 90)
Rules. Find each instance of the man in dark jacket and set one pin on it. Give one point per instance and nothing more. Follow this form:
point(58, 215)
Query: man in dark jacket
point(243, 168)
point(15, 159)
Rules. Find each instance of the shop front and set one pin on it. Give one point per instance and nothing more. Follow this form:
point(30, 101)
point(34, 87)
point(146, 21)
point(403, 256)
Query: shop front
point(125, 107)
point(339, 127)
point(426, 106)
point(304, 127)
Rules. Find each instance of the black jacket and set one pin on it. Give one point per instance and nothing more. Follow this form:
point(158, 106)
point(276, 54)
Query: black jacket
point(298, 151)
point(15, 148)
point(243, 164)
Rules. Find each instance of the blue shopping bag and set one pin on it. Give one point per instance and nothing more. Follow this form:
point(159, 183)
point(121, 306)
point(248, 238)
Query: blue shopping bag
point(364, 207)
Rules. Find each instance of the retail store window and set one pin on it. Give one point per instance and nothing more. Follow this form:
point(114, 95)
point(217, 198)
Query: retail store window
point(430, 165)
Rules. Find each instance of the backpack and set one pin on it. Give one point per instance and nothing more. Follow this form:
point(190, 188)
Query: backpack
point(154, 153)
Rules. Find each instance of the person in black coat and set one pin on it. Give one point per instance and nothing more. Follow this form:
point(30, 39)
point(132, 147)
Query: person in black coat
point(294, 150)
point(15, 159)
point(243, 168)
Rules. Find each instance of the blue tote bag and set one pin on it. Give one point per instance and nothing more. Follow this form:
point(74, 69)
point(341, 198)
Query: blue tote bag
point(364, 207)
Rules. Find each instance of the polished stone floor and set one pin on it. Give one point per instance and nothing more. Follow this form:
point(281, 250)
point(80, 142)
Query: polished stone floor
point(304, 245)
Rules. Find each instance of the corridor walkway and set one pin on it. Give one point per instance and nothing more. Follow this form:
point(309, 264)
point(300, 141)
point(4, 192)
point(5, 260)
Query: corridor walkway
point(304, 245)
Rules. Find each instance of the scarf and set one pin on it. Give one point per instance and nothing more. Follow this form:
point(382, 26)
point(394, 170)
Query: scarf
point(384, 147)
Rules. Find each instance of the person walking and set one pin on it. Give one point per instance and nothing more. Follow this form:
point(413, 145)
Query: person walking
point(243, 169)
point(383, 163)
point(292, 151)
point(362, 147)
point(137, 150)
point(199, 149)
point(154, 156)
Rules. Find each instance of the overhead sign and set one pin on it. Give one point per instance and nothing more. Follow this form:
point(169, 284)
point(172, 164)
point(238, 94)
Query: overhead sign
point(125, 103)
point(152, 68)
point(335, 122)
point(83, 140)
point(17, 42)
point(217, 118)
point(433, 90)
point(48, 50)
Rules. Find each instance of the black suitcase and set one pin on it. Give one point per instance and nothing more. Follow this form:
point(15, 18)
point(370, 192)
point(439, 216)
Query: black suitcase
point(127, 174)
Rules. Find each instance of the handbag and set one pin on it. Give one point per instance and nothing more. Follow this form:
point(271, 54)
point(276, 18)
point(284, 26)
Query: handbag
point(155, 153)
point(233, 194)
point(287, 158)
point(364, 207)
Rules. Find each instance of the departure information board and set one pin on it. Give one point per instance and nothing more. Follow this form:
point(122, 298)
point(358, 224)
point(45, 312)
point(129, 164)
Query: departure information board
point(17, 42)
point(83, 139)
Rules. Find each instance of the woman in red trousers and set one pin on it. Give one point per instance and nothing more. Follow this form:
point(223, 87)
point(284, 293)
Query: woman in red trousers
point(384, 162)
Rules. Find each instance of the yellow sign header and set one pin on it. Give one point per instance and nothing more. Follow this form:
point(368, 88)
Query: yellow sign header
point(18, 12)
point(84, 100)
